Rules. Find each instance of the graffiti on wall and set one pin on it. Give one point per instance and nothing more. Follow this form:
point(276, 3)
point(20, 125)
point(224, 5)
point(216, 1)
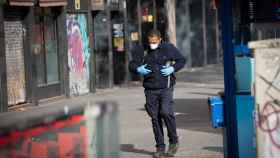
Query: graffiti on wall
point(15, 62)
point(78, 53)
point(268, 102)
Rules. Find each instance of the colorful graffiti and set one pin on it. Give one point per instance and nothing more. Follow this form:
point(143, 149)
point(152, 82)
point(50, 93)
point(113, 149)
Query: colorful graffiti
point(78, 53)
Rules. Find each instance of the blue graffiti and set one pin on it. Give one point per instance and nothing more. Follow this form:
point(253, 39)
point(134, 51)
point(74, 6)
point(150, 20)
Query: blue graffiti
point(84, 32)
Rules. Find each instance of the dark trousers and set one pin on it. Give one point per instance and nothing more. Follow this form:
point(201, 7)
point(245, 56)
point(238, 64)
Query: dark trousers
point(159, 106)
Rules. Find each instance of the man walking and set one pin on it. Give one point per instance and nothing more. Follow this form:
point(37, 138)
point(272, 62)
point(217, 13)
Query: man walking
point(158, 67)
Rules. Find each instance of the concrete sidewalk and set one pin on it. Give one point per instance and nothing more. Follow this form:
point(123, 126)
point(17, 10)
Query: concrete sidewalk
point(197, 138)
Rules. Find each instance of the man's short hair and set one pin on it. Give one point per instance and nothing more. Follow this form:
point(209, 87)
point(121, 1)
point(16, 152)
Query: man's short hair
point(153, 33)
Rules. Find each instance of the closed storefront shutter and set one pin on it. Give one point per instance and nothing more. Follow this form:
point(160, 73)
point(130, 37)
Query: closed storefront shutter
point(97, 4)
point(21, 2)
point(15, 62)
point(50, 3)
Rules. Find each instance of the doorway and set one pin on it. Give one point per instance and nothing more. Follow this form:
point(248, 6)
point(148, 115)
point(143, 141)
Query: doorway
point(45, 45)
point(118, 47)
point(101, 49)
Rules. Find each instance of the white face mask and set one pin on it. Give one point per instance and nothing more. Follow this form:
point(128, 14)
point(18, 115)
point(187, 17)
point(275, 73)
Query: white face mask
point(153, 46)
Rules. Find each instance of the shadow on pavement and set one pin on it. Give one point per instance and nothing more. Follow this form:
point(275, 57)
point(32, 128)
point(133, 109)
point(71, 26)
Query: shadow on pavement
point(214, 148)
point(132, 149)
point(204, 93)
point(193, 114)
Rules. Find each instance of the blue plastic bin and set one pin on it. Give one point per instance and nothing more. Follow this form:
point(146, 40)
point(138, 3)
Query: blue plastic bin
point(245, 105)
point(216, 110)
point(244, 67)
point(242, 49)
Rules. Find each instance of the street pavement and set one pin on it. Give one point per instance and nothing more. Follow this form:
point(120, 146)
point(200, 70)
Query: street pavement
point(196, 136)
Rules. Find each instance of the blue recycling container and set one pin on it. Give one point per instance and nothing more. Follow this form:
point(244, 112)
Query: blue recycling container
point(216, 111)
point(244, 75)
point(241, 50)
point(246, 132)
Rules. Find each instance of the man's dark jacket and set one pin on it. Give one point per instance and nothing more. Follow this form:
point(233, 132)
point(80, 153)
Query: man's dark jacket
point(155, 60)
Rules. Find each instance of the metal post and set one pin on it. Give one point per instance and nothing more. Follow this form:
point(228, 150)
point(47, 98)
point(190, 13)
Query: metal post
point(29, 78)
point(217, 35)
point(62, 37)
point(126, 41)
point(103, 130)
point(139, 15)
point(110, 47)
point(3, 77)
point(188, 28)
point(204, 29)
point(230, 130)
point(154, 15)
point(170, 7)
point(92, 57)
point(35, 99)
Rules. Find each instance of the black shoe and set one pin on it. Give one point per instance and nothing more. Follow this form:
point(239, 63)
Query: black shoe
point(172, 149)
point(159, 154)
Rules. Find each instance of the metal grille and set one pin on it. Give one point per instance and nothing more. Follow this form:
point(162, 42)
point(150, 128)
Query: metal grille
point(263, 31)
point(21, 2)
point(49, 3)
point(251, 9)
point(263, 11)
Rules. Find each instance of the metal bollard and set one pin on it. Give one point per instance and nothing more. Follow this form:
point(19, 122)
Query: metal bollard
point(102, 130)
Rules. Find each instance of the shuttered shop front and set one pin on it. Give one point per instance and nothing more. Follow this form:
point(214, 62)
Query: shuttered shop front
point(50, 3)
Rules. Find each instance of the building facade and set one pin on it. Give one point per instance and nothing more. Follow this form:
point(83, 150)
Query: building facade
point(59, 48)
point(37, 58)
point(32, 53)
point(65, 48)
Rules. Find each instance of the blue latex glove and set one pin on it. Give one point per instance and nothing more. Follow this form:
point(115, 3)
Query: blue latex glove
point(142, 70)
point(167, 70)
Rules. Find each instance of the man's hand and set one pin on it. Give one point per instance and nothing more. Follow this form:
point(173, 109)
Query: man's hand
point(167, 70)
point(142, 70)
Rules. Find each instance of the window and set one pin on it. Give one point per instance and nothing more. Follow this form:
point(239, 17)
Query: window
point(45, 47)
